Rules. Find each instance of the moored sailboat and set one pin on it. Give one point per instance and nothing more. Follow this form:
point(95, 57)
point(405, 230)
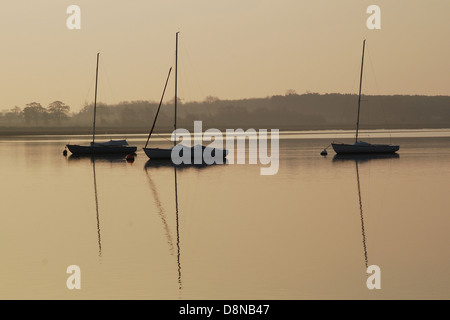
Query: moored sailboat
point(166, 153)
point(361, 147)
point(101, 148)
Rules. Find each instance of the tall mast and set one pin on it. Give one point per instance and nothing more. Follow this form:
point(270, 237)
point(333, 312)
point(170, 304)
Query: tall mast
point(95, 99)
point(176, 84)
point(360, 86)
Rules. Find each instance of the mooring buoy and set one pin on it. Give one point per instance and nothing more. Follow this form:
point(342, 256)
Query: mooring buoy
point(129, 158)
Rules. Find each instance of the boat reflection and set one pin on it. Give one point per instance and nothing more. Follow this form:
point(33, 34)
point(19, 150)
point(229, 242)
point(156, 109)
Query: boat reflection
point(161, 212)
point(178, 230)
point(358, 159)
point(98, 158)
point(163, 216)
point(95, 160)
point(364, 157)
point(97, 211)
point(159, 163)
point(363, 229)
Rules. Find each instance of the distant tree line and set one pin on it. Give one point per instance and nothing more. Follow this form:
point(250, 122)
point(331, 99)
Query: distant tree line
point(35, 114)
point(289, 111)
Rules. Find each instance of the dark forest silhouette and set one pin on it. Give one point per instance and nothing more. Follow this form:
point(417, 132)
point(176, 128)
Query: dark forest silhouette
point(289, 112)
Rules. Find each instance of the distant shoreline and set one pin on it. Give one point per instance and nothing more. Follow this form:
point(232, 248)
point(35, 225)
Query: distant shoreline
point(289, 112)
point(69, 131)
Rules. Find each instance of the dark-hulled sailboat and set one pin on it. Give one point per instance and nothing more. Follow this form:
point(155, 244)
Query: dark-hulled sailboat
point(361, 147)
point(101, 148)
point(166, 153)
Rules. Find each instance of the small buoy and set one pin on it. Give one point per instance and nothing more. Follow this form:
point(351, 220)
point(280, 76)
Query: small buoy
point(324, 152)
point(129, 158)
point(65, 153)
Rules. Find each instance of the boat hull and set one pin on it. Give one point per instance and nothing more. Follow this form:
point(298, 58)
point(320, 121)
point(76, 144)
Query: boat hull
point(207, 153)
point(99, 149)
point(342, 148)
point(157, 153)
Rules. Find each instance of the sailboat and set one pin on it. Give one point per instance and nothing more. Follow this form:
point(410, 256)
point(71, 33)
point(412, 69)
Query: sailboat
point(361, 147)
point(101, 148)
point(166, 153)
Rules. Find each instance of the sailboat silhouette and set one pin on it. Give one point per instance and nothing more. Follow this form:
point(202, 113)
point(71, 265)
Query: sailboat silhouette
point(166, 153)
point(112, 147)
point(361, 147)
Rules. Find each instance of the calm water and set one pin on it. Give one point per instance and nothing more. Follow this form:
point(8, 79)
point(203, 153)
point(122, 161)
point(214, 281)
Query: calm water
point(225, 231)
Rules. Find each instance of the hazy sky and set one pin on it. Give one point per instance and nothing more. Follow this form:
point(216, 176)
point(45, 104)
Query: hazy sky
point(228, 48)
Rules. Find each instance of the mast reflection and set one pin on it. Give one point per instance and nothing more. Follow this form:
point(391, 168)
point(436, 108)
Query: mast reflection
point(113, 160)
point(163, 217)
point(366, 259)
point(96, 210)
point(360, 158)
point(168, 164)
point(161, 212)
point(178, 230)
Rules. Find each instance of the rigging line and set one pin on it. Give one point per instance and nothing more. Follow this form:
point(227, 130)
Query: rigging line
point(183, 85)
point(187, 58)
point(355, 74)
point(369, 101)
point(159, 135)
point(373, 71)
point(85, 103)
point(159, 107)
point(174, 63)
point(365, 114)
point(105, 76)
point(89, 90)
point(379, 104)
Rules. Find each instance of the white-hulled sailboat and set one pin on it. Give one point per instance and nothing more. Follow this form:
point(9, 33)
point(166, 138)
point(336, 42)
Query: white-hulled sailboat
point(101, 148)
point(361, 147)
point(166, 154)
